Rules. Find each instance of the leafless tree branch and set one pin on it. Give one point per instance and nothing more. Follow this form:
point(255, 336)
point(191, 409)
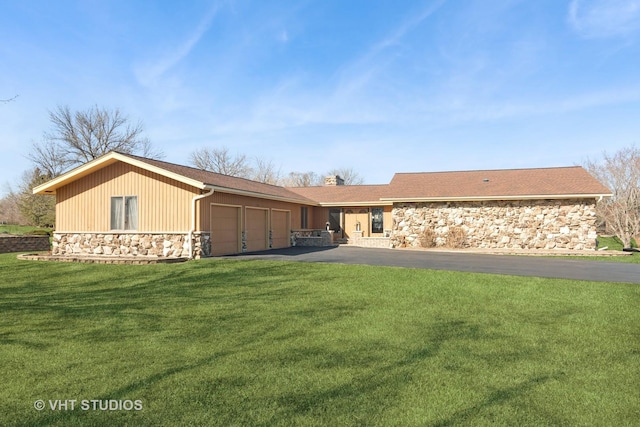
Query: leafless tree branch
point(620, 172)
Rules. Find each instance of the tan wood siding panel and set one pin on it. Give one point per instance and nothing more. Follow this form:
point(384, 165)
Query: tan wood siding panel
point(232, 199)
point(163, 204)
point(280, 229)
point(319, 218)
point(387, 218)
point(225, 230)
point(256, 229)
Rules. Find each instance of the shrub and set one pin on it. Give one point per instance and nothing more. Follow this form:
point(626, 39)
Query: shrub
point(427, 238)
point(456, 238)
point(39, 232)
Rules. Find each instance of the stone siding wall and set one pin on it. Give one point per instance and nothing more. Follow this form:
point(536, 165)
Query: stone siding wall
point(536, 224)
point(369, 242)
point(311, 239)
point(24, 244)
point(129, 244)
point(201, 245)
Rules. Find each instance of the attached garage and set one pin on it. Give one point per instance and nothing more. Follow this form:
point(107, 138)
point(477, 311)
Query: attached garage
point(225, 229)
point(180, 211)
point(280, 228)
point(257, 231)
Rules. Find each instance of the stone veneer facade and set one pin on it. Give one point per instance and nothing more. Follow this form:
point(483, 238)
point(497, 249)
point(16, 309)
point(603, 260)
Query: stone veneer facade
point(533, 224)
point(131, 244)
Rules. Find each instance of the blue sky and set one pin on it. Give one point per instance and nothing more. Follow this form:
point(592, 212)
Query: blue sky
point(380, 86)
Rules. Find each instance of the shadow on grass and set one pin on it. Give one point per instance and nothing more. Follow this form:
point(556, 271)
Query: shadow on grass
point(498, 397)
point(368, 395)
point(123, 393)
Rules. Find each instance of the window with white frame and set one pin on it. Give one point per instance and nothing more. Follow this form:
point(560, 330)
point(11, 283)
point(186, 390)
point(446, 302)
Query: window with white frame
point(124, 213)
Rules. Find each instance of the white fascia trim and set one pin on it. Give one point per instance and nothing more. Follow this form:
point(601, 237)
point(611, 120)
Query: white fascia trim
point(356, 204)
point(262, 196)
point(110, 158)
point(486, 198)
point(163, 172)
point(120, 232)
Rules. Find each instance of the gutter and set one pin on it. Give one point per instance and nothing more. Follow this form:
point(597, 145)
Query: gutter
point(492, 198)
point(193, 216)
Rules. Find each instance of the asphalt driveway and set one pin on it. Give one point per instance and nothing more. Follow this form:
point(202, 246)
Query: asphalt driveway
point(457, 261)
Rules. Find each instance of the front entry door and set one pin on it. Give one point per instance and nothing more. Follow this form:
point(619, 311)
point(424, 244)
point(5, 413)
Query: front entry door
point(351, 219)
point(335, 222)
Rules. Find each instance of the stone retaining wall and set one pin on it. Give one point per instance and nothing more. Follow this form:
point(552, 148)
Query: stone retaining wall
point(369, 242)
point(130, 244)
point(310, 239)
point(10, 243)
point(536, 224)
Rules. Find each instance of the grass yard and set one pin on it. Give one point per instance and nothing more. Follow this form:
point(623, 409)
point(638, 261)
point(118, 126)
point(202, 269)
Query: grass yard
point(22, 229)
point(231, 342)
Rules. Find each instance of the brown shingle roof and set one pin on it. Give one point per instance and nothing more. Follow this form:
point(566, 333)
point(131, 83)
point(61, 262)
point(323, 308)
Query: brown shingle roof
point(558, 183)
point(344, 194)
point(510, 183)
point(231, 183)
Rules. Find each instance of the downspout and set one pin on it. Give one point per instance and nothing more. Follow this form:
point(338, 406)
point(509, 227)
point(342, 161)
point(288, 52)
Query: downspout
point(193, 216)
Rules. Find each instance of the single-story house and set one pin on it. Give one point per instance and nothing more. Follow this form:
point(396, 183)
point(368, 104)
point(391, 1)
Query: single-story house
point(121, 204)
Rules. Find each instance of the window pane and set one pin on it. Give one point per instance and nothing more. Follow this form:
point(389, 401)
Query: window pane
point(131, 213)
point(303, 214)
point(377, 220)
point(117, 211)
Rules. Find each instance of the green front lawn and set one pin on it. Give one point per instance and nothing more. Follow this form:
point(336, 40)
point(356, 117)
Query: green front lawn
point(612, 243)
point(231, 342)
point(22, 229)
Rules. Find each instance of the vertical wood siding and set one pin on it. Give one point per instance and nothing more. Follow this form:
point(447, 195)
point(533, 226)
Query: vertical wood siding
point(163, 204)
point(233, 199)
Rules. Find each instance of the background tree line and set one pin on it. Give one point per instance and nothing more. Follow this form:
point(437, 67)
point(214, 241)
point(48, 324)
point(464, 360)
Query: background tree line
point(221, 160)
point(76, 137)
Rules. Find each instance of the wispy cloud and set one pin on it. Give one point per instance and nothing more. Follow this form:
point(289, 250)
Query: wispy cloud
point(345, 98)
point(448, 114)
point(604, 18)
point(149, 73)
point(359, 72)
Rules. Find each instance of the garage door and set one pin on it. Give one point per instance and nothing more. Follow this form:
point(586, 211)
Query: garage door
point(256, 229)
point(225, 230)
point(280, 229)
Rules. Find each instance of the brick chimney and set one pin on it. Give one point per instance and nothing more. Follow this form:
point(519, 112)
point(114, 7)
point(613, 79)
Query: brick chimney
point(333, 180)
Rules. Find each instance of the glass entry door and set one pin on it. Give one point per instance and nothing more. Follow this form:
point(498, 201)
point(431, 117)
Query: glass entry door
point(335, 222)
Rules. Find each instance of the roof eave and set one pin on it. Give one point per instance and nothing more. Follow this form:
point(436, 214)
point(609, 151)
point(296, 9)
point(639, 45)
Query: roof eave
point(355, 204)
point(262, 195)
point(51, 186)
point(487, 198)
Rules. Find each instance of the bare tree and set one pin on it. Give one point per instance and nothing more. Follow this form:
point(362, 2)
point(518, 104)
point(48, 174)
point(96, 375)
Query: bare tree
point(80, 136)
point(220, 160)
point(10, 211)
point(265, 171)
point(50, 157)
point(620, 172)
point(4, 101)
point(349, 175)
point(303, 179)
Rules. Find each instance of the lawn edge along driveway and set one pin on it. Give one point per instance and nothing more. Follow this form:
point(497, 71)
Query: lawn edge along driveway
point(557, 268)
